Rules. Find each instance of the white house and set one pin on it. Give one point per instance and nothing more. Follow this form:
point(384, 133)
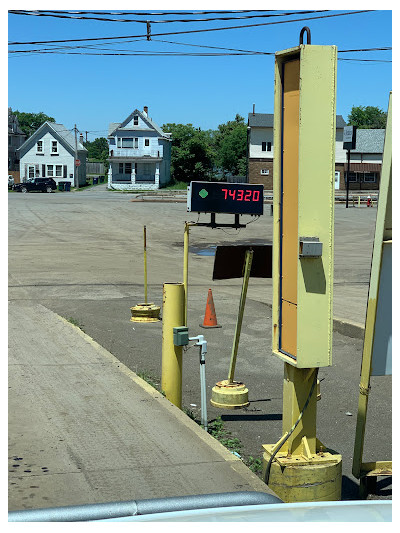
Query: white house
point(50, 153)
point(139, 153)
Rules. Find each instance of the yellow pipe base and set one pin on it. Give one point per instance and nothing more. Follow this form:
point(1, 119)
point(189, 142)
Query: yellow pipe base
point(299, 478)
point(230, 395)
point(145, 313)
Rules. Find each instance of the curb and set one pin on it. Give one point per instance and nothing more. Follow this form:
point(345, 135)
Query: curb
point(349, 328)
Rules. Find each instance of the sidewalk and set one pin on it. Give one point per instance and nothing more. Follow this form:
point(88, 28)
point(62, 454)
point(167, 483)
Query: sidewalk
point(84, 429)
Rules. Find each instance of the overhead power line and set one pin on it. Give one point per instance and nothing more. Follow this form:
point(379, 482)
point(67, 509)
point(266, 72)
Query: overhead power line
point(151, 13)
point(194, 31)
point(57, 14)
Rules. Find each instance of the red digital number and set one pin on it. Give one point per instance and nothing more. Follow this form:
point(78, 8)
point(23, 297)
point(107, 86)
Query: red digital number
point(247, 196)
point(240, 195)
point(256, 196)
point(226, 193)
point(232, 193)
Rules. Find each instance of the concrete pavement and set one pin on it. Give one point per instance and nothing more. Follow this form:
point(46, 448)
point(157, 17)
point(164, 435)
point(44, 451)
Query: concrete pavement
point(83, 428)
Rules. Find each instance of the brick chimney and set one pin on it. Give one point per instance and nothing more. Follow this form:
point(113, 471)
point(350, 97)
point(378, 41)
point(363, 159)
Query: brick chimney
point(254, 109)
point(146, 110)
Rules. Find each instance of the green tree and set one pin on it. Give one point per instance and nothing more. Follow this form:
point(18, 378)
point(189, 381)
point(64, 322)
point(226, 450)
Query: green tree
point(97, 149)
point(367, 117)
point(231, 147)
point(192, 156)
point(30, 122)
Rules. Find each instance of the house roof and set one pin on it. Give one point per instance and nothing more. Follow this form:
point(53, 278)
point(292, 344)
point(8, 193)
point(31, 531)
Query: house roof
point(67, 135)
point(59, 131)
point(266, 120)
point(369, 141)
point(119, 125)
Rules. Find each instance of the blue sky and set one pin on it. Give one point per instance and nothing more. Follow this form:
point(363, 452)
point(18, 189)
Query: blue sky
point(93, 91)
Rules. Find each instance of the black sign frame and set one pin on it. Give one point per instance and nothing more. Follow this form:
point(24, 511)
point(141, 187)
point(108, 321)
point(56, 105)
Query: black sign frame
point(229, 198)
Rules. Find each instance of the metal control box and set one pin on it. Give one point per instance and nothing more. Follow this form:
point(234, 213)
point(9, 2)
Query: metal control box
point(181, 336)
point(304, 164)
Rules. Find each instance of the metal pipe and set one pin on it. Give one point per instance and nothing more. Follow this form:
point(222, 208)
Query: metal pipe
point(104, 511)
point(202, 343)
point(171, 364)
point(235, 347)
point(203, 390)
point(145, 264)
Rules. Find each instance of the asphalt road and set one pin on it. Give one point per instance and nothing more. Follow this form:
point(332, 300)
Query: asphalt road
point(80, 255)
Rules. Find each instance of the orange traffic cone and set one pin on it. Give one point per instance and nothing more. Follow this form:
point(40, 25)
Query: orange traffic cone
point(210, 318)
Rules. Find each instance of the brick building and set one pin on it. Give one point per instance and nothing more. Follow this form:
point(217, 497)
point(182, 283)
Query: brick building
point(365, 161)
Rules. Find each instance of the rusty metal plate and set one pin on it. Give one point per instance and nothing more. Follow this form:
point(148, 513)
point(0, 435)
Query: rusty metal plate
point(229, 261)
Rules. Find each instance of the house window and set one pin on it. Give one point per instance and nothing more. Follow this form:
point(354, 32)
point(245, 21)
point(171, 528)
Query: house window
point(54, 147)
point(370, 177)
point(136, 120)
point(58, 171)
point(121, 168)
point(128, 168)
point(118, 142)
point(264, 146)
point(269, 147)
point(136, 142)
point(50, 171)
point(127, 142)
point(31, 172)
point(147, 142)
point(39, 147)
point(264, 172)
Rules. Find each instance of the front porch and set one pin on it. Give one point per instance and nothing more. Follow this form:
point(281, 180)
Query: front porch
point(134, 175)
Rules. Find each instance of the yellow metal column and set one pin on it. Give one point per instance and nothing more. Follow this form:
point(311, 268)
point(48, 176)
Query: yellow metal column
point(368, 472)
point(171, 365)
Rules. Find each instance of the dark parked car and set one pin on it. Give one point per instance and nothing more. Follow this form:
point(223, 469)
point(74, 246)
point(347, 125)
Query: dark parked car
point(37, 184)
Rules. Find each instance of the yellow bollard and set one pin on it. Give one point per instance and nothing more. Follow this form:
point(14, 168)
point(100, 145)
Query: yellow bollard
point(145, 263)
point(359, 201)
point(171, 365)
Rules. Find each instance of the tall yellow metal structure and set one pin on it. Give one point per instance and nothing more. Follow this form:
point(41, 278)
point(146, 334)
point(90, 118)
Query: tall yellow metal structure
point(299, 467)
point(377, 350)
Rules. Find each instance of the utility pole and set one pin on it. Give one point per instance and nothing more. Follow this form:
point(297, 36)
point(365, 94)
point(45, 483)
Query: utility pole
point(76, 177)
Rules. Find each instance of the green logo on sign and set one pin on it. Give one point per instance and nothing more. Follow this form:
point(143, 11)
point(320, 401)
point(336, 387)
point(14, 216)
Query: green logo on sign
point(203, 193)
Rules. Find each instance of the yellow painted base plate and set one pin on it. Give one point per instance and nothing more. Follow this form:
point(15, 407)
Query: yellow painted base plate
point(145, 312)
point(230, 395)
point(300, 478)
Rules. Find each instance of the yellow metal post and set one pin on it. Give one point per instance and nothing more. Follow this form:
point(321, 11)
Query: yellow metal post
point(359, 201)
point(228, 393)
point(186, 266)
point(235, 347)
point(145, 264)
point(383, 237)
point(171, 365)
point(145, 312)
